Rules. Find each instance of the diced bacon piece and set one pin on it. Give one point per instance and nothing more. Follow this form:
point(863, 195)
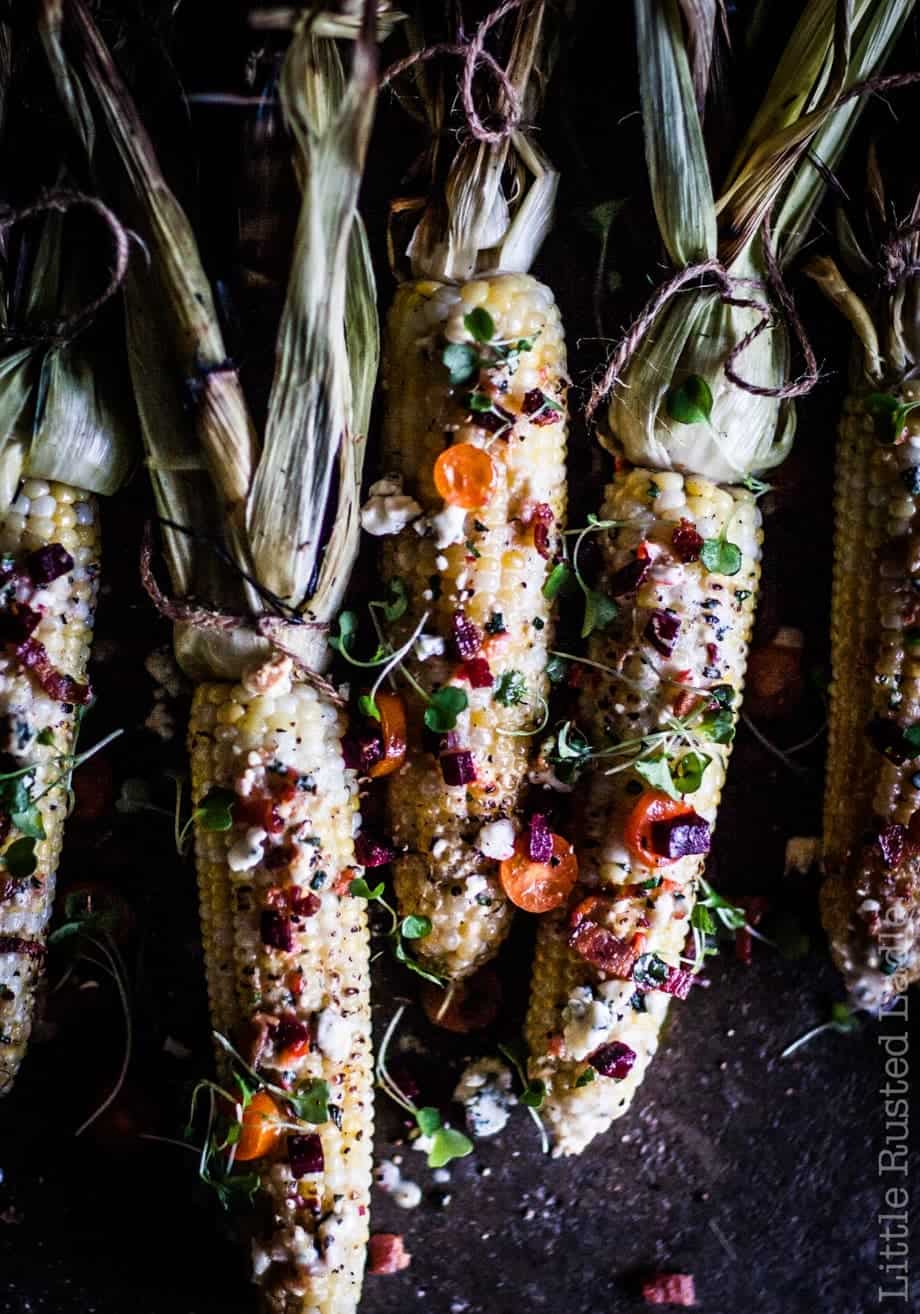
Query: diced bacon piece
point(386, 1253)
point(669, 1289)
point(602, 949)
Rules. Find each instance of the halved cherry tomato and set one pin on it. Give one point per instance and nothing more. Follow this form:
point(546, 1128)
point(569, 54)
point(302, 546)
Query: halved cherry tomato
point(651, 806)
point(393, 730)
point(464, 476)
point(261, 1129)
point(466, 1005)
point(538, 887)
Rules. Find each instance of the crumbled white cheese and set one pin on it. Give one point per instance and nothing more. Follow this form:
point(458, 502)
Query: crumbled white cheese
point(333, 1035)
point(496, 840)
point(247, 851)
point(448, 526)
point(802, 853)
point(586, 1023)
point(388, 513)
point(439, 848)
point(441, 562)
point(429, 645)
point(389, 486)
point(274, 676)
point(408, 1195)
point(484, 1089)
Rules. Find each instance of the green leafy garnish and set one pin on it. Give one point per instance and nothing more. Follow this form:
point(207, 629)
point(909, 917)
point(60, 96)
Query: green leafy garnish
point(446, 1144)
point(444, 706)
point(688, 772)
point(480, 403)
point(656, 773)
point(691, 401)
point(414, 927)
point(367, 706)
point(411, 927)
point(559, 578)
point(213, 813)
point(889, 415)
point(462, 361)
point(557, 668)
point(479, 324)
point(719, 726)
point(533, 1093)
point(343, 640)
point(397, 599)
point(585, 1078)
point(650, 971)
point(311, 1102)
point(599, 612)
point(45, 737)
point(756, 486)
point(720, 557)
point(361, 890)
point(842, 1020)
point(511, 689)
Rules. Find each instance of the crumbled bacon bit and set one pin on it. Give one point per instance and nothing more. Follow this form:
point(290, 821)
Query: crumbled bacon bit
point(457, 766)
point(305, 1154)
point(662, 630)
point(492, 421)
point(467, 637)
point(669, 1289)
point(276, 930)
point(49, 563)
point(891, 841)
point(686, 542)
point(62, 688)
point(601, 947)
point(280, 855)
point(261, 812)
point(628, 578)
point(542, 516)
point(539, 839)
point(371, 852)
point(614, 1060)
point(291, 1033)
point(478, 672)
point(305, 905)
point(386, 1253)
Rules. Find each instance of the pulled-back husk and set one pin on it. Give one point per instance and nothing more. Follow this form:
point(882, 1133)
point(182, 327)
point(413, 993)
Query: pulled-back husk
point(263, 505)
point(695, 333)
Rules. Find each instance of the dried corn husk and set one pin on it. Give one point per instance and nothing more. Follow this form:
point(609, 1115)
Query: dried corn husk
point(264, 501)
point(834, 45)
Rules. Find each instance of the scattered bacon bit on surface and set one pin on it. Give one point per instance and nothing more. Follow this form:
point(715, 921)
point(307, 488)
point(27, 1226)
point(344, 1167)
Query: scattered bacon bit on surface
point(669, 1289)
point(602, 948)
point(15, 944)
point(686, 542)
point(276, 930)
point(386, 1253)
point(62, 688)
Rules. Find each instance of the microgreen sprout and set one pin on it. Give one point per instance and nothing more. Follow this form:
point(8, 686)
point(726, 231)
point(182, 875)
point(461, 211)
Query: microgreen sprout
point(412, 927)
point(533, 1093)
point(446, 1144)
point(213, 813)
point(842, 1019)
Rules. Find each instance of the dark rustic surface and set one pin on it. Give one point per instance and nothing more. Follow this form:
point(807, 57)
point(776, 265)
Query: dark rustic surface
point(756, 1174)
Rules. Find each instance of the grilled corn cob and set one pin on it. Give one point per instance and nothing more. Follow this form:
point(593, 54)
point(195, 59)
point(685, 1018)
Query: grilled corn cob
point(49, 540)
point(871, 899)
point(478, 576)
point(641, 703)
point(286, 949)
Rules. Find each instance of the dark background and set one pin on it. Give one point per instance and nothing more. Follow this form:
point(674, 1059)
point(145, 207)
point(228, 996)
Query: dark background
point(756, 1174)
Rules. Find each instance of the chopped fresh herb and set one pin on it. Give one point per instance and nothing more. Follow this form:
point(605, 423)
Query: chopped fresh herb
point(723, 694)
point(538, 623)
point(480, 324)
point(691, 401)
point(651, 884)
point(533, 1095)
point(444, 706)
point(479, 402)
point(479, 527)
point(653, 491)
point(585, 1078)
point(718, 726)
point(45, 737)
point(495, 624)
point(511, 689)
point(472, 550)
point(720, 557)
point(559, 578)
point(650, 971)
point(461, 360)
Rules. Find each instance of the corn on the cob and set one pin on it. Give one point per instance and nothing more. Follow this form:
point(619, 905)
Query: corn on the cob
point(49, 541)
point(478, 575)
point(286, 950)
point(655, 701)
point(871, 899)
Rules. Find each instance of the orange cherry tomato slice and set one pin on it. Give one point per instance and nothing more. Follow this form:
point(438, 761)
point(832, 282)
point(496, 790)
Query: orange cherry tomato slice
point(393, 729)
point(464, 476)
point(651, 806)
point(260, 1132)
point(466, 1005)
point(538, 887)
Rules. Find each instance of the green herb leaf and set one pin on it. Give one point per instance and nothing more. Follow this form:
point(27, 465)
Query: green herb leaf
point(495, 624)
point(599, 612)
point(480, 403)
point(344, 640)
point(20, 858)
point(558, 579)
point(414, 927)
point(723, 694)
point(690, 402)
point(534, 1095)
point(585, 1078)
point(45, 737)
point(429, 1120)
point(444, 706)
point(557, 669)
point(511, 689)
point(650, 971)
point(549, 403)
point(571, 743)
point(447, 1145)
point(368, 707)
point(701, 920)
point(361, 890)
point(688, 772)
point(397, 599)
point(29, 821)
point(311, 1102)
point(462, 361)
point(656, 772)
point(215, 811)
point(718, 726)
point(480, 324)
point(843, 1019)
point(720, 557)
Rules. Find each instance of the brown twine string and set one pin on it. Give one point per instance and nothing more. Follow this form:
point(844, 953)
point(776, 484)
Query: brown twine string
point(473, 54)
point(188, 612)
point(59, 203)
